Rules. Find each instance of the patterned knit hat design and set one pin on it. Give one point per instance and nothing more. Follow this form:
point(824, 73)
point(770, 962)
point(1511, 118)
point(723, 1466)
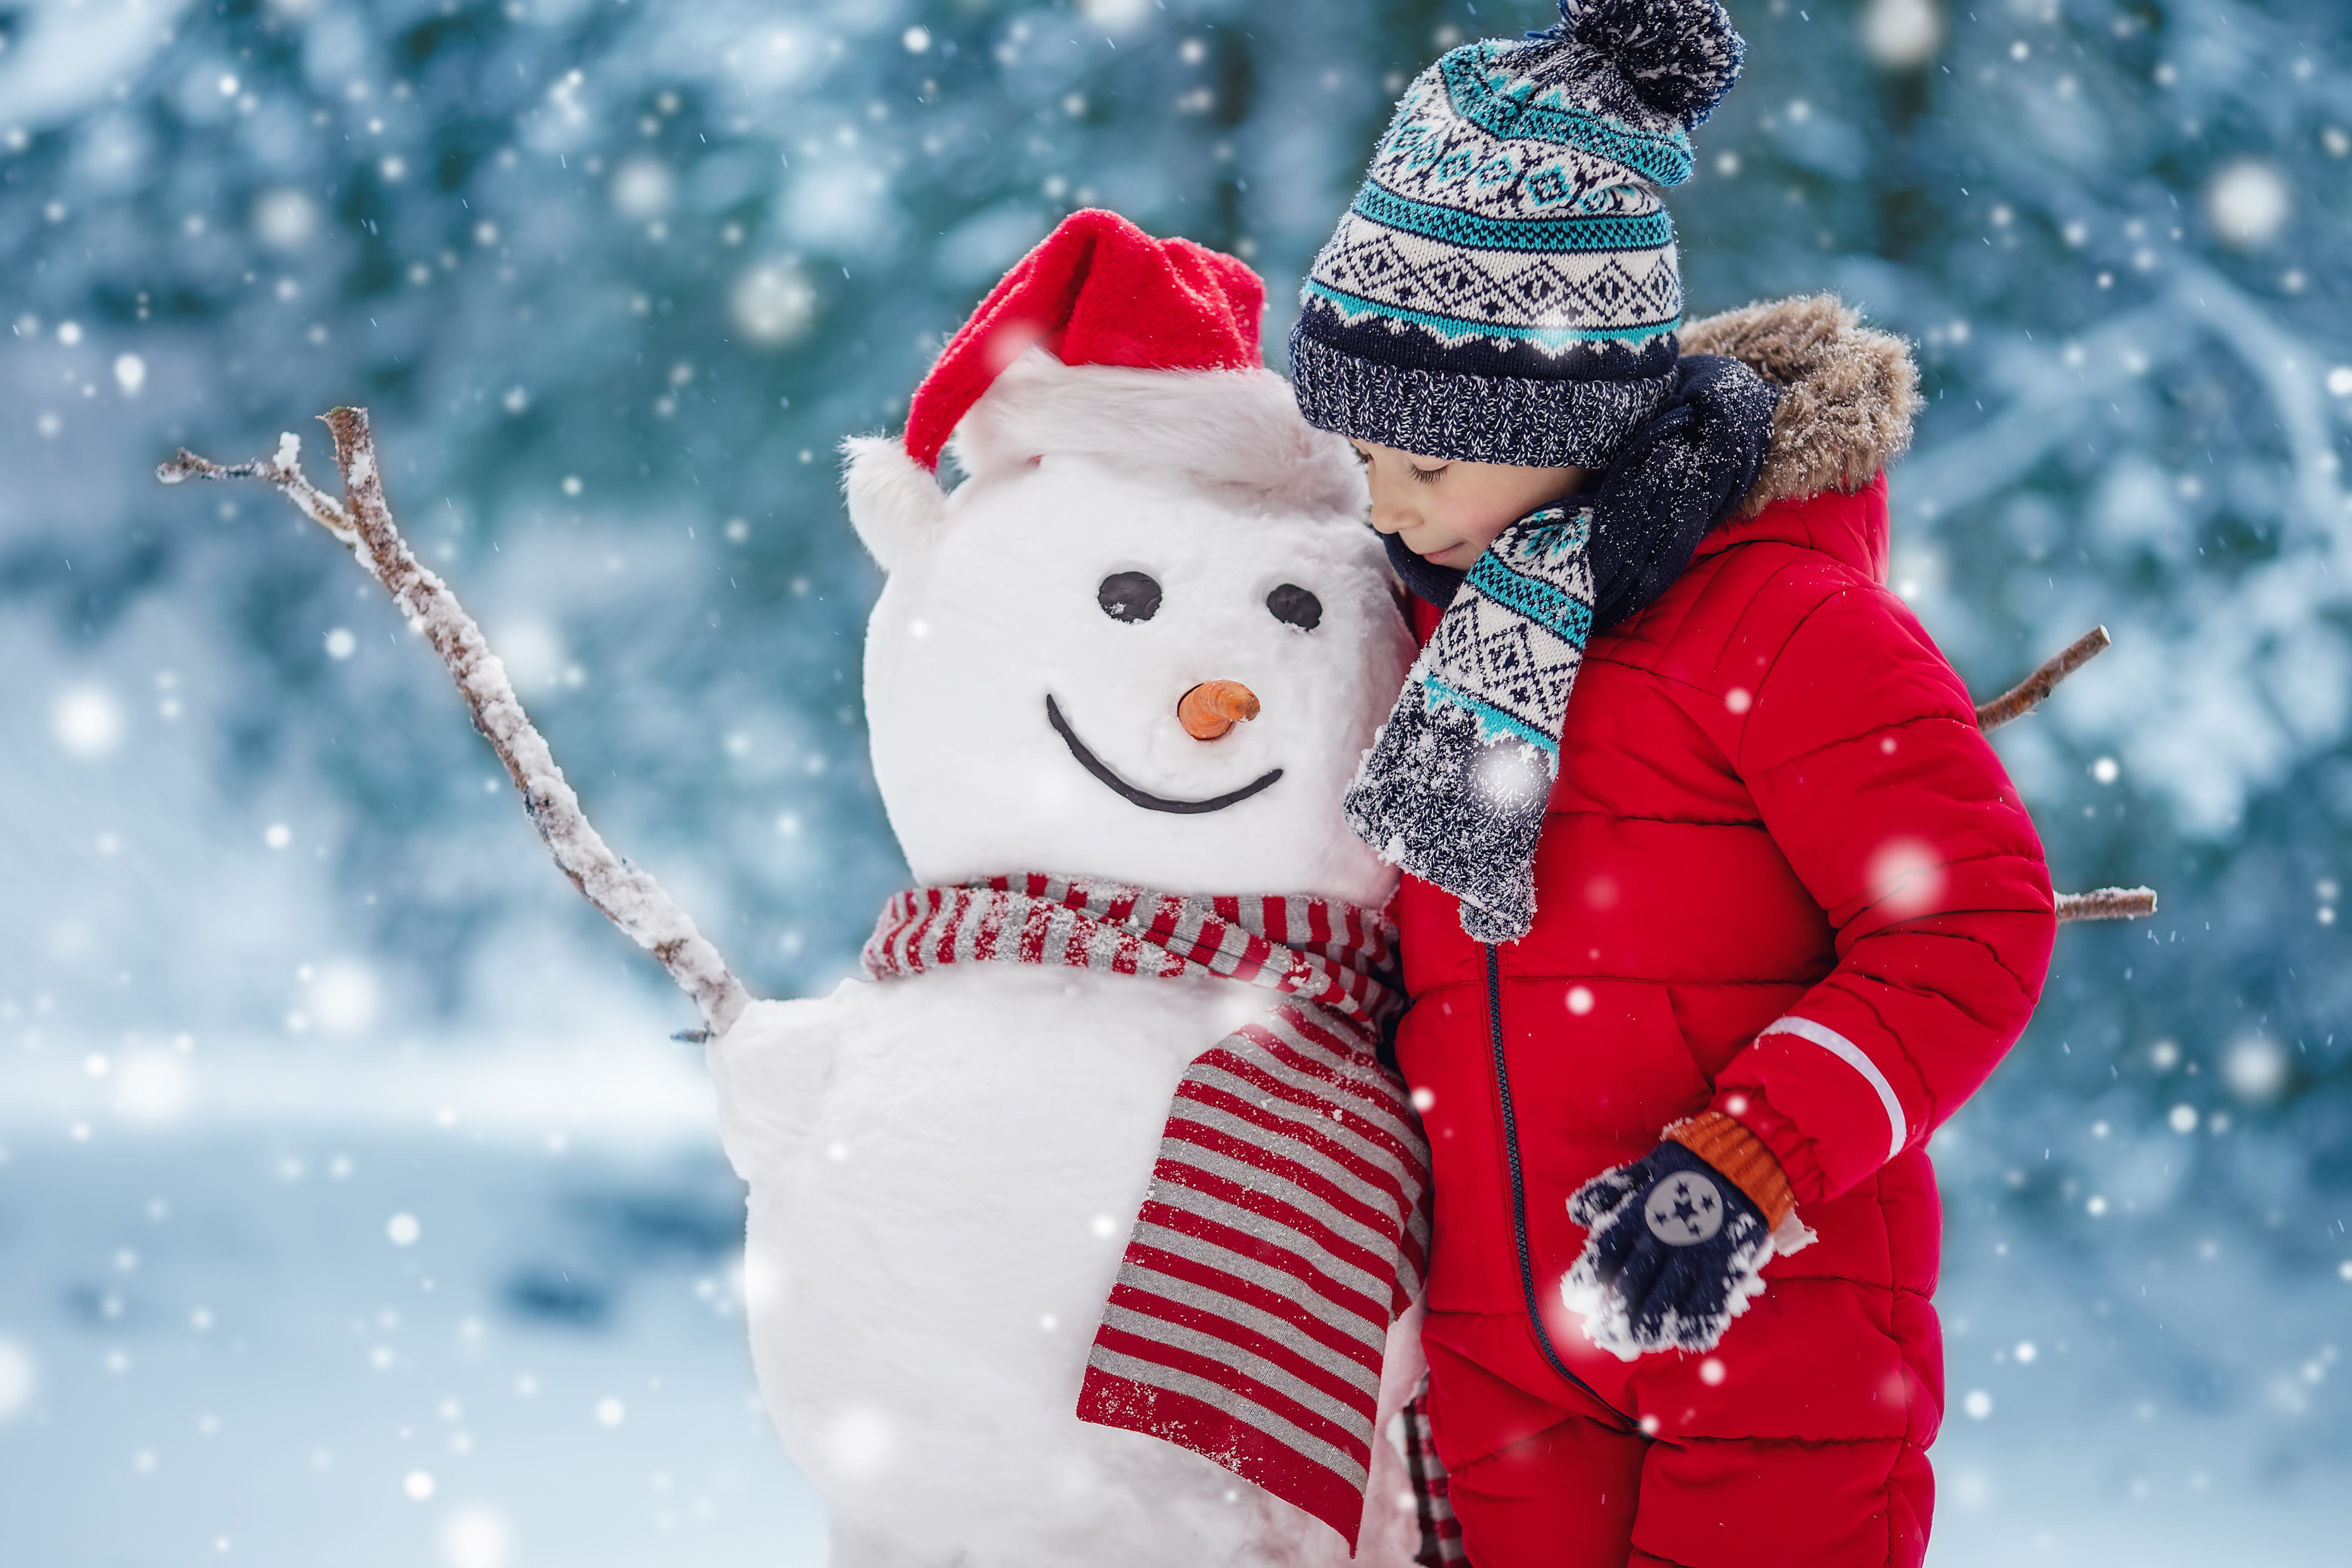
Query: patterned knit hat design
point(1504, 288)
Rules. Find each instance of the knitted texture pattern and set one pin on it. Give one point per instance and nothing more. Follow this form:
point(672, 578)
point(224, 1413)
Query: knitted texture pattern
point(1504, 288)
point(1453, 789)
point(1741, 1156)
point(1675, 1252)
point(1432, 1499)
point(1286, 1223)
point(1455, 786)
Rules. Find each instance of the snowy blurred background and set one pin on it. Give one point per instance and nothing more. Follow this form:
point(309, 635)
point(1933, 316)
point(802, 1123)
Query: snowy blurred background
point(353, 1204)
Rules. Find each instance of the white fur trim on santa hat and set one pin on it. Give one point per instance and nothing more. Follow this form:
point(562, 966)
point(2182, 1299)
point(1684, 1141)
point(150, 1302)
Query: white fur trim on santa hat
point(1236, 434)
point(894, 502)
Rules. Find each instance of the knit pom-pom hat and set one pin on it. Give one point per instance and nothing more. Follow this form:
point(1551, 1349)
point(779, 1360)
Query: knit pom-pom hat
point(1505, 288)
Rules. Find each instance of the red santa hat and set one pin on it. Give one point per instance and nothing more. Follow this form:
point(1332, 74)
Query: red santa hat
point(1147, 362)
point(1100, 291)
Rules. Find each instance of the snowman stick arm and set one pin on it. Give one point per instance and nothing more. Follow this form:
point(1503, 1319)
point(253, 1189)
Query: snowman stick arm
point(2099, 903)
point(2028, 694)
point(2107, 904)
point(627, 895)
point(283, 470)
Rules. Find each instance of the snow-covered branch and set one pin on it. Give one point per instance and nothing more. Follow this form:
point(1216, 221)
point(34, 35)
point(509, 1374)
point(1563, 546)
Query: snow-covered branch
point(285, 471)
point(628, 897)
point(2028, 694)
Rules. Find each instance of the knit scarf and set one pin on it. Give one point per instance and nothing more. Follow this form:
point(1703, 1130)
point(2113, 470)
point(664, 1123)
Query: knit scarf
point(1287, 1222)
point(1453, 788)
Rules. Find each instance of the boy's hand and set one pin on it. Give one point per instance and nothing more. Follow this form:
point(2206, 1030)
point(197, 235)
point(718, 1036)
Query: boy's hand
point(1675, 1254)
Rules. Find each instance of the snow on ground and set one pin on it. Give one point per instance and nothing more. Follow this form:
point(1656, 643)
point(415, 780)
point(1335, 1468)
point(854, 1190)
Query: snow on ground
point(371, 1338)
point(276, 1320)
point(2169, 1408)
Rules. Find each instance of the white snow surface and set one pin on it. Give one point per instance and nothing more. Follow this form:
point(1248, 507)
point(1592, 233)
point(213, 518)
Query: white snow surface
point(990, 607)
point(944, 1173)
point(944, 1170)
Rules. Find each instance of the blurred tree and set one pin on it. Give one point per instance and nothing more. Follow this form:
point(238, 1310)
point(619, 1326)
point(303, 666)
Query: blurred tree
point(615, 277)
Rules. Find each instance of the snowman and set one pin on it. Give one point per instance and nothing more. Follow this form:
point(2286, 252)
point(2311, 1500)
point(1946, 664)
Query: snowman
point(1082, 1228)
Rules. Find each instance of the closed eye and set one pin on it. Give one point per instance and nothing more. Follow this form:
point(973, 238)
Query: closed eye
point(1421, 476)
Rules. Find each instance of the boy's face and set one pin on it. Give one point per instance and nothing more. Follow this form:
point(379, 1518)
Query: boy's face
point(1447, 511)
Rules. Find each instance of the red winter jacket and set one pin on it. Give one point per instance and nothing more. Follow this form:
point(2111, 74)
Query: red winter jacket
point(1782, 876)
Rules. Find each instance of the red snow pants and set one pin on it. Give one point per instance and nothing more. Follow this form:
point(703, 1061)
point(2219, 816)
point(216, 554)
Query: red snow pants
point(1543, 1476)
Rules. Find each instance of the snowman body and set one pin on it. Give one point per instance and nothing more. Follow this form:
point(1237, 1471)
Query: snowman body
point(944, 1170)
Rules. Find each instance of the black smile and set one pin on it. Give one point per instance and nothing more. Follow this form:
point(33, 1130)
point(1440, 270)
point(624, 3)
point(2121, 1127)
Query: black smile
point(1145, 798)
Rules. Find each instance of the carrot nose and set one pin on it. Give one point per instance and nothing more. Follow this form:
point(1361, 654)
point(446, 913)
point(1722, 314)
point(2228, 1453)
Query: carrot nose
point(1211, 709)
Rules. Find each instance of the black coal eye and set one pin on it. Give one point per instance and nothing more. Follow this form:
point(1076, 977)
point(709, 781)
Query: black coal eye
point(1294, 605)
point(1129, 597)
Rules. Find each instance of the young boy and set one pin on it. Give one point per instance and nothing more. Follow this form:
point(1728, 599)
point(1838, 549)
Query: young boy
point(1699, 959)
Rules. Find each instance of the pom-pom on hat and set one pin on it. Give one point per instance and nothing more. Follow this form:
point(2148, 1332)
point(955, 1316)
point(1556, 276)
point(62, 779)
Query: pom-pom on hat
point(1096, 290)
point(1505, 288)
point(1679, 56)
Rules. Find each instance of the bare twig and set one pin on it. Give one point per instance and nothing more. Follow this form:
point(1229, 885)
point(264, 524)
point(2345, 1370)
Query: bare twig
point(2100, 903)
point(2107, 904)
point(628, 897)
point(2027, 694)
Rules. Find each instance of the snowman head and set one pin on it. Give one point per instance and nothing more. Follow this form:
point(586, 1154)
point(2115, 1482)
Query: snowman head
point(1146, 638)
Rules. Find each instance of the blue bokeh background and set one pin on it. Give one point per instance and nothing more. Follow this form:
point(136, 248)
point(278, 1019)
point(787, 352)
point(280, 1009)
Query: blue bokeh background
point(281, 965)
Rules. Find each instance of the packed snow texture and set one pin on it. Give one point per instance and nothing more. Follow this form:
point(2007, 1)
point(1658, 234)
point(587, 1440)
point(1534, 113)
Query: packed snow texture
point(945, 1169)
point(249, 809)
point(224, 1350)
point(993, 605)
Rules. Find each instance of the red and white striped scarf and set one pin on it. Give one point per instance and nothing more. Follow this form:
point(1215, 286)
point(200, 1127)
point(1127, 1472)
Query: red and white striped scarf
point(1286, 1225)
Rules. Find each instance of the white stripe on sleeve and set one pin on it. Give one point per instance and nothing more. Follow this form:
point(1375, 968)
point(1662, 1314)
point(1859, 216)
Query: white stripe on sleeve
point(1846, 1051)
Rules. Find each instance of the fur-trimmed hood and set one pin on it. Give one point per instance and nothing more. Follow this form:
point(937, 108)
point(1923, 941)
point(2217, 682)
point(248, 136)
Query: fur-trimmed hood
point(1849, 393)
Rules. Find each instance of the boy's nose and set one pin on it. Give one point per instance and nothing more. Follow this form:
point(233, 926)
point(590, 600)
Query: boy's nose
point(1212, 708)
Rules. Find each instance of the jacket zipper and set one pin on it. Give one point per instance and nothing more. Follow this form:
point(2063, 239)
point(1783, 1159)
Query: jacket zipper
point(1518, 1179)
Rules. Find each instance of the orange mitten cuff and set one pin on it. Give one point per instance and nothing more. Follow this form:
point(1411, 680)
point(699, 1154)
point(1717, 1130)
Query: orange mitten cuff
point(1743, 1159)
